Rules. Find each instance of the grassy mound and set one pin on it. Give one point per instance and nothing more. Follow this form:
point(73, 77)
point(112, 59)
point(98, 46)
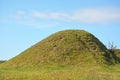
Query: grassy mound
point(68, 47)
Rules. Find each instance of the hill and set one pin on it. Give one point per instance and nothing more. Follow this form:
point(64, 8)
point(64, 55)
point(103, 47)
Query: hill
point(68, 47)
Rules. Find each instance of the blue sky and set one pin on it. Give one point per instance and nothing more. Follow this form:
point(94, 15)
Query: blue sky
point(25, 22)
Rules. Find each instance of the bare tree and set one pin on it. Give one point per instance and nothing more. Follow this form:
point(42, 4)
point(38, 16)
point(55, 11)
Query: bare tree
point(111, 46)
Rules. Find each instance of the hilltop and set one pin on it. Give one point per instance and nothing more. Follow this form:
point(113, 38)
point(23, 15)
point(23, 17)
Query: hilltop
point(68, 47)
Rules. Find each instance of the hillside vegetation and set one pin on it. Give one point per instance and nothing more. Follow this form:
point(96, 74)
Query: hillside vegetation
point(69, 47)
point(2, 61)
point(65, 55)
point(116, 52)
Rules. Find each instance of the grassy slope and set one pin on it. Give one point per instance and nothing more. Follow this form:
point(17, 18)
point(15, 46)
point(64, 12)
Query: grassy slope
point(67, 55)
point(69, 47)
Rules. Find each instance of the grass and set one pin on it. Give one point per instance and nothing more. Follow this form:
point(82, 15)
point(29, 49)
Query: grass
point(69, 47)
point(83, 72)
point(66, 55)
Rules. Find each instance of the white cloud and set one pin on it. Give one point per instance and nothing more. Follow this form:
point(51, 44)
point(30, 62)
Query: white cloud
point(91, 15)
point(40, 15)
point(20, 12)
point(96, 15)
point(50, 15)
point(58, 16)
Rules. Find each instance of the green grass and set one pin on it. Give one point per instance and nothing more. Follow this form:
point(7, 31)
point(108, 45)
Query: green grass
point(83, 72)
point(69, 47)
point(66, 55)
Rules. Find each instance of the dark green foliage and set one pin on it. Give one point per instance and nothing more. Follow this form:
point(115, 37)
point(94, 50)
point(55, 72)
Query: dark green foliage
point(2, 61)
point(115, 52)
point(69, 47)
